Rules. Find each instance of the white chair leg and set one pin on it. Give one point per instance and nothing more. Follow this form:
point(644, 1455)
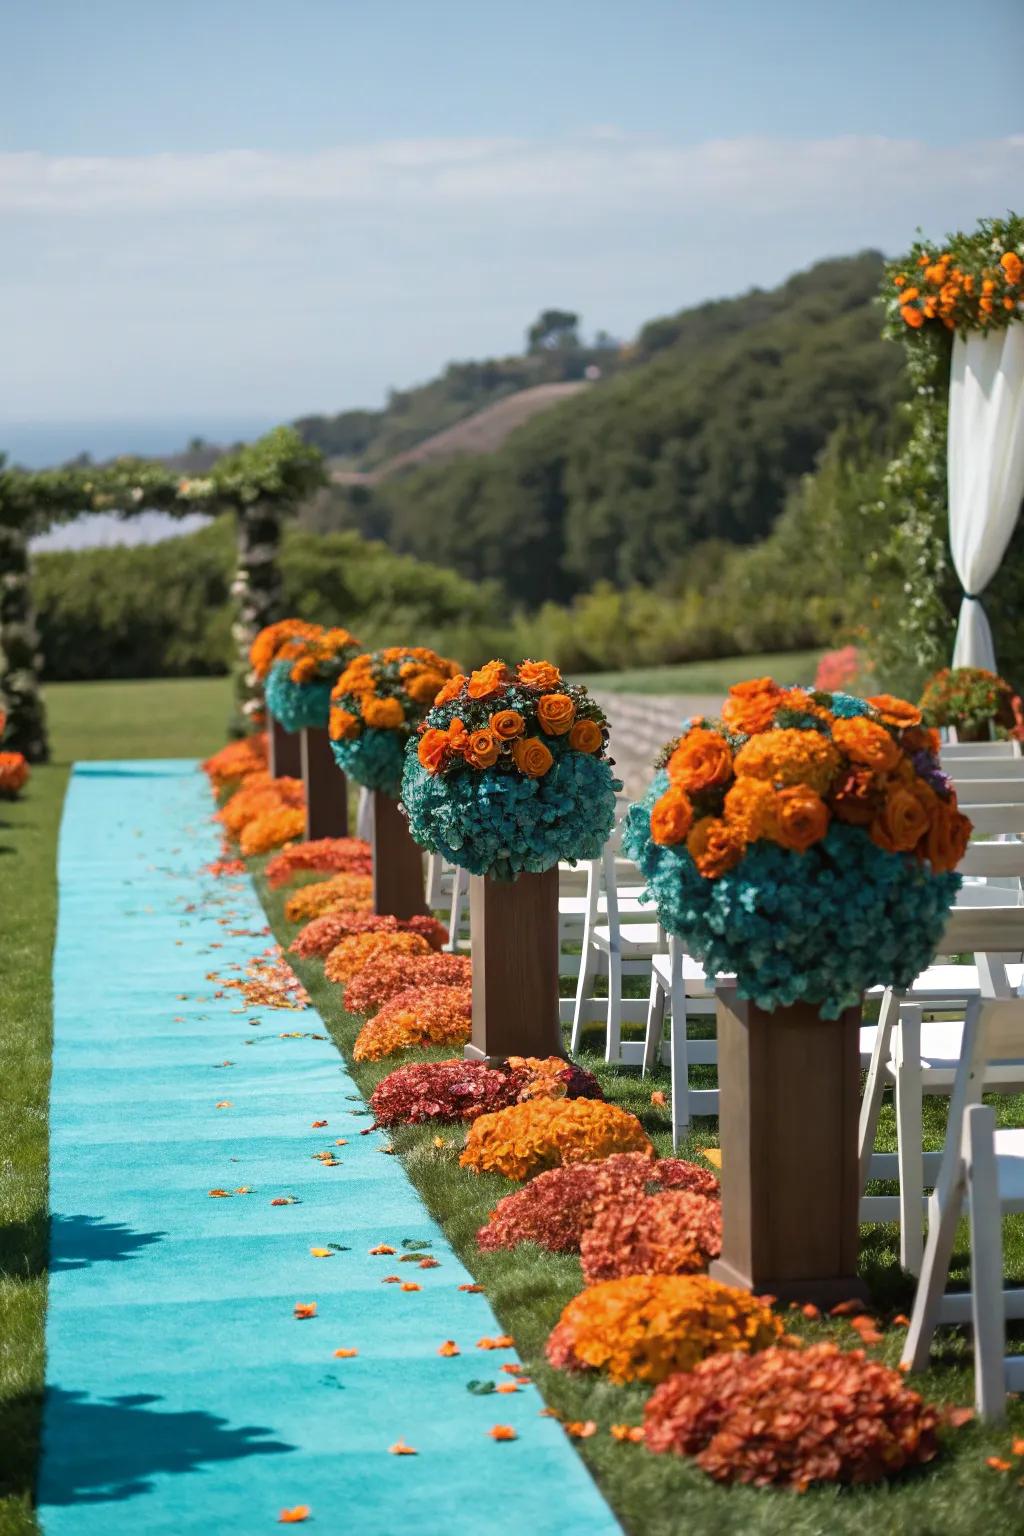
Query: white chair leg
point(987, 1304)
point(364, 814)
point(588, 970)
point(655, 1031)
point(460, 889)
point(910, 1153)
point(935, 1265)
point(680, 1086)
point(874, 1088)
point(613, 1038)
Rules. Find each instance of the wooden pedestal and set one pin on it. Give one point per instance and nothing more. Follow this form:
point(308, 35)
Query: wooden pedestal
point(514, 925)
point(326, 786)
point(397, 862)
point(284, 752)
point(789, 1086)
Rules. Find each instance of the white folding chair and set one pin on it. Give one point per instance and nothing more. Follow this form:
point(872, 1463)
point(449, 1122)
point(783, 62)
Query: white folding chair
point(447, 892)
point(678, 979)
point(618, 941)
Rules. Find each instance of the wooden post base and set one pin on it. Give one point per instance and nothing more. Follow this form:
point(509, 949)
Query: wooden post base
point(515, 966)
point(789, 1086)
point(326, 786)
point(285, 754)
point(397, 862)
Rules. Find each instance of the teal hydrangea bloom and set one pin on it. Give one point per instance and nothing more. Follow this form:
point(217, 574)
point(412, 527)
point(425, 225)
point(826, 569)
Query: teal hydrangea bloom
point(297, 706)
point(818, 927)
point(373, 759)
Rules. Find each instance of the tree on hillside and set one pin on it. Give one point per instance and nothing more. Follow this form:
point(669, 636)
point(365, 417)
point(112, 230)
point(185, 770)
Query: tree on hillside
point(554, 330)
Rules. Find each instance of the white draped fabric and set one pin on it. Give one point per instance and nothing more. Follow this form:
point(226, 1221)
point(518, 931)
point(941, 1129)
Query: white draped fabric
point(985, 465)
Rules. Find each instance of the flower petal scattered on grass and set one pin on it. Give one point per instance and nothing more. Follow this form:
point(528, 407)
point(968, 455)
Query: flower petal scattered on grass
point(580, 1429)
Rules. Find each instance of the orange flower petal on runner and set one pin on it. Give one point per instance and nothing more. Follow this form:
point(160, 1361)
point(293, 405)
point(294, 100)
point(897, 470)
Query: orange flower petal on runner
point(506, 1386)
point(580, 1429)
point(549, 1413)
point(293, 1516)
point(410, 1285)
point(448, 1349)
point(224, 1104)
point(511, 1369)
point(318, 1125)
point(477, 1290)
point(401, 1449)
point(429, 1263)
point(382, 1248)
point(220, 1194)
point(633, 1432)
point(305, 1309)
point(321, 1253)
point(392, 1280)
point(284, 1200)
point(244, 1189)
point(341, 1142)
point(502, 1432)
point(503, 1341)
point(345, 1354)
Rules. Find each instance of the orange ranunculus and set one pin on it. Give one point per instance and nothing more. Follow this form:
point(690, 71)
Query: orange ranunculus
point(750, 807)
point(431, 750)
point(383, 714)
point(488, 680)
point(715, 846)
point(451, 690)
point(539, 675)
point(789, 756)
point(895, 711)
point(751, 706)
point(482, 749)
point(424, 687)
point(1012, 266)
point(458, 736)
point(702, 759)
point(344, 725)
point(902, 821)
point(922, 738)
point(949, 832)
point(672, 817)
point(858, 798)
point(507, 724)
point(531, 756)
point(556, 713)
point(586, 736)
point(866, 743)
point(801, 818)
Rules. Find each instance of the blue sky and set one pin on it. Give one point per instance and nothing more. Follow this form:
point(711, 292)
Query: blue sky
point(217, 209)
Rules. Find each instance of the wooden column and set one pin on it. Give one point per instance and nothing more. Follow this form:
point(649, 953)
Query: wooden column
point(514, 925)
point(325, 785)
point(789, 1091)
point(285, 751)
point(397, 862)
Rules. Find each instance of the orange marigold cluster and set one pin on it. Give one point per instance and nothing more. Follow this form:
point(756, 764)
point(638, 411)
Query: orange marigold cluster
point(544, 1133)
point(387, 690)
point(322, 934)
point(324, 855)
point(340, 893)
point(793, 1417)
point(351, 954)
point(267, 646)
point(272, 829)
point(673, 1233)
point(258, 795)
point(428, 1015)
point(237, 761)
point(319, 656)
point(646, 1327)
point(14, 774)
point(388, 975)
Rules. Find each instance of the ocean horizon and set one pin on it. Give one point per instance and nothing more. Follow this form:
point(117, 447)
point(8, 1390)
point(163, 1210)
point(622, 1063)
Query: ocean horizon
point(43, 444)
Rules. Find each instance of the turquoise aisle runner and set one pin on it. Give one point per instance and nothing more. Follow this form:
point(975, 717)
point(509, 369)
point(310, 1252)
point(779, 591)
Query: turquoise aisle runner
point(182, 1393)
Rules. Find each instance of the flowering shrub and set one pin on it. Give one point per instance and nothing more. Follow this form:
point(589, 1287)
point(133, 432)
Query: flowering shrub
point(977, 703)
point(542, 1133)
point(792, 1417)
point(837, 669)
point(237, 761)
point(388, 975)
point(341, 892)
point(510, 772)
point(322, 934)
point(258, 795)
point(271, 829)
point(796, 803)
point(351, 954)
point(645, 1327)
point(972, 282)
point(422, 1015)
point(305, 669)
point(464, 1090)
point(376, 705)
point(673, 1233)
point(556, 1208)
point(14, 774)
point(324, 855)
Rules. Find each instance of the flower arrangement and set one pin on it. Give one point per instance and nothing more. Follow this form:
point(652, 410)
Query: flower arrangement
point(259, 794)
point(272, 828)
point(305, 669)
point(464, 1090)
point(340, 893)
point(805, 841)
point(676, 1232)
point(542, 1133)
point(510, 772)
point(838, 669)
point(376, 705)
point(324, 855)
point(970, 282)
point(14, 774)
point(792, 1417)
point(976, 702)
point(351, 954)
point(645, 1327)
point(235, 762)
point(322, 934)
point(436, 1014)
point(556, 1208)
point(268, 644)
point(389, 975)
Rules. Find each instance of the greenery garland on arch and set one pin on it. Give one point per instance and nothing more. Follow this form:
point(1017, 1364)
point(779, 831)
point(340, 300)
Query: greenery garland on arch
point(260, 484)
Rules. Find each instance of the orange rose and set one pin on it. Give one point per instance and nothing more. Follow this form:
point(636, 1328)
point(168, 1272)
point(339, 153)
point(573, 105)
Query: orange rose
point(586, 736)
point(867, 743)
point(751, 706)
point(344, 725)
point(672, 817)
point(714, 846)
point(858, 798)
point(895, 711)
point(431, 750)
point(539, 674)
point(556, 713)
point(458, 736)
point(701, 760)
point(482, 749)
point(488, 680)
point(949, 832)
point(383, 714)
point(424, 688)
point(531, 756)
point(902, 821)
point(801, 818)
point(507, 724)
point(750, 808)
point(452, 688)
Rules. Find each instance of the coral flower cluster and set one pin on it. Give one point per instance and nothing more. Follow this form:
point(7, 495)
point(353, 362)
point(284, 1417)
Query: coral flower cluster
point(544, 1133)
point(269, 644)
point(322, 934)
point(341, 893)
point(425, 1015)
point(324, 856)
point(258, 795)
point(305, 667)
point(14, 774)
point(464, 1090)
point(676, 1232)
point(388, 975)
point(376, 705)
point(271, 829)
point(350, 955)
point(972, 282)
point(235, 762)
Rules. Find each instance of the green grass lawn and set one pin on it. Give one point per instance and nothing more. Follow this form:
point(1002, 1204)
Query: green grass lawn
point(709, 676)
point(654, 1496)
